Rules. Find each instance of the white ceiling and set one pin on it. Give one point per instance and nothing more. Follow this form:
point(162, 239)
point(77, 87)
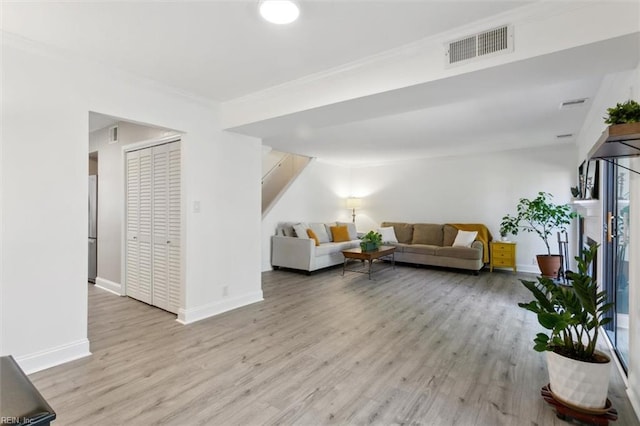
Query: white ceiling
point(222, 50)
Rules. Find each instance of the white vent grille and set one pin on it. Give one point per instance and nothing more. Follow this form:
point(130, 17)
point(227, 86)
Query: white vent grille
point(113, 134)
point(573, 103)
point(497, 40)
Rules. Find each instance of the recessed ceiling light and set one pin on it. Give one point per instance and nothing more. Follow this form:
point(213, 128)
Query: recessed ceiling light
point(279, 11)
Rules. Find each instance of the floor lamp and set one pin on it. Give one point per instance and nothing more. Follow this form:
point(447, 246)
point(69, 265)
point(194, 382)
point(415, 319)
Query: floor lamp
point(353, 204)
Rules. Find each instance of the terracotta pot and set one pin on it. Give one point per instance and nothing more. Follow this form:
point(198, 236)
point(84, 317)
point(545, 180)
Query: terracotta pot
point(549, 264)
point(579, 383)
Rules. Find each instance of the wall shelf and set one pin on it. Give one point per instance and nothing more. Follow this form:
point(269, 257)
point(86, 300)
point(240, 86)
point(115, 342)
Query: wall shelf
point(617, 141)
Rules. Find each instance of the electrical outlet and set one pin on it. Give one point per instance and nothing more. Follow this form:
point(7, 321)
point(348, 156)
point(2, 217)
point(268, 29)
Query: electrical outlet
point(225, 291)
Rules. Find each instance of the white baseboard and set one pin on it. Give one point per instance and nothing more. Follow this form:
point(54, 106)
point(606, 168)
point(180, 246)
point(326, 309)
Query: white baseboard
point(110, 286)
point(187, 316)
point(55, 356)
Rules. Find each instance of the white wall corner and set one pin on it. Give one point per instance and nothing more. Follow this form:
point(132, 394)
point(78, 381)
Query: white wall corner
point(48, 358)
point(188, 316)
point(110, 286)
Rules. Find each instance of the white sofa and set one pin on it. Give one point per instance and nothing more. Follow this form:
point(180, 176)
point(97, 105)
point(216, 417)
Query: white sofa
point(288, 250)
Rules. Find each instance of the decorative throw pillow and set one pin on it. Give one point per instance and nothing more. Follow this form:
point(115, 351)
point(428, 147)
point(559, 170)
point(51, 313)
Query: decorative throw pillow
point(327, 227)
point(388, 234)
point(465, 238)
point(340, 234)
point(320, 231)
point(301, 230)
point(353, 233)
point(313, 236)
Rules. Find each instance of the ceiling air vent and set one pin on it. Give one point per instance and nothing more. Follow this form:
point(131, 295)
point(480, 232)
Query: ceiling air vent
point(495, 41)
point(573, 103)
point(113, 134)
point(564, 135)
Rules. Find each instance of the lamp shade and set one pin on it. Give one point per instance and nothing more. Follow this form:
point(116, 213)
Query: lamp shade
point(354, 203)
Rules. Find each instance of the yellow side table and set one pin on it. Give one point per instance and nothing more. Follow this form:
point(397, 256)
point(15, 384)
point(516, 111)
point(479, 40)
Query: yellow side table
point(503, 255)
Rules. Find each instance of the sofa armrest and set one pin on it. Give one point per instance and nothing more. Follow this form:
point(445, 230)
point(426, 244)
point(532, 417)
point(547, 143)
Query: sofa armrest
point(477, 245)
point(292, 252)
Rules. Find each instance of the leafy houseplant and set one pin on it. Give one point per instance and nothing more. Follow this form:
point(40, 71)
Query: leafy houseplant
point(541, 217)
point(370, 241)
point(573, 316)
point(627, 112)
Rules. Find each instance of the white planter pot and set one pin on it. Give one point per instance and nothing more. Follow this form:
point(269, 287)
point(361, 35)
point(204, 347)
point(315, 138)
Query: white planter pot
point(579, 383)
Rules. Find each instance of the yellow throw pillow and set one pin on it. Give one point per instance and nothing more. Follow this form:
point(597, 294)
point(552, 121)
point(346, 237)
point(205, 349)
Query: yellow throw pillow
point(340, 234)
point(313, 236)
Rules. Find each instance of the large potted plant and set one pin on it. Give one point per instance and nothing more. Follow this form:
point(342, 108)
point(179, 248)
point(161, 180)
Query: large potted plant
point(541, 217)
point(573, 315)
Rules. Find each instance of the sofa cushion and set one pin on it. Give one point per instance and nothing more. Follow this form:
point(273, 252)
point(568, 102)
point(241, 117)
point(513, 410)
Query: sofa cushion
point(330, 248)
point(460, 252)
point(404, 231)
point(388, 234)
point(449, 233)
point(420, 249)
point(465, 238)
point(320, 231)
point(427, 233)
point(340, 234)
point(313, 236)
point(351, 227)
point(399, 246)
point(327, 227)
point(301, 230)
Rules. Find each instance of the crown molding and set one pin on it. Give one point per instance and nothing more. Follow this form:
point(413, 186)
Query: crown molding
point(45, 50)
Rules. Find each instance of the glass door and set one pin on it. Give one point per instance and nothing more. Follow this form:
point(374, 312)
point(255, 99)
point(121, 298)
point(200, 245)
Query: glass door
point(616, 254)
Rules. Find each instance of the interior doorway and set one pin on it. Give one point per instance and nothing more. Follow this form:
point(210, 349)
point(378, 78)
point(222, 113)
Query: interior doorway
point(110, 138)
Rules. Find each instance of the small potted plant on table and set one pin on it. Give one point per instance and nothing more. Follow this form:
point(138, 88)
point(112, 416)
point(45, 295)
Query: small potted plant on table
point(370, 241)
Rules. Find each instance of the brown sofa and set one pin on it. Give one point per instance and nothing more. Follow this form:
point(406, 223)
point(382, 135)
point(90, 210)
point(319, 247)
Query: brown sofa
point(431, 244)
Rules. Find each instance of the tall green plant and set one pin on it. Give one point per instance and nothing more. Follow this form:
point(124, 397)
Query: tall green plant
point(573, 314)
point(539, 216)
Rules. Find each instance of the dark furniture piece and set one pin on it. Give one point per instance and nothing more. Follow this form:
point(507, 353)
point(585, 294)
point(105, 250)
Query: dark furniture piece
point(369, 256)
point(20, 401)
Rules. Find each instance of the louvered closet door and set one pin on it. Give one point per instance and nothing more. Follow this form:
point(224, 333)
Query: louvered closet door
point(166, 226)
point(139, 208)
point(154, 226)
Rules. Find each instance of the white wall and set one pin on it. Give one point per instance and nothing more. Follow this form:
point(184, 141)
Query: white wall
point(45, 104)
point(111, 196)
point(467, 189)
point(471, 189)
point(617, 87)
point(317, 195)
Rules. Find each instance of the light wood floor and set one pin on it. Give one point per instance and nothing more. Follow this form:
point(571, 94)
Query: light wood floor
point(413, 346)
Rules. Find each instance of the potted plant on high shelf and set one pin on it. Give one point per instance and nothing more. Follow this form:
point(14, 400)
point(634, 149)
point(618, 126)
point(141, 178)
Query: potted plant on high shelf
point(370, 241)
point(623, 113)
point(541, 217)
point(573, 315)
